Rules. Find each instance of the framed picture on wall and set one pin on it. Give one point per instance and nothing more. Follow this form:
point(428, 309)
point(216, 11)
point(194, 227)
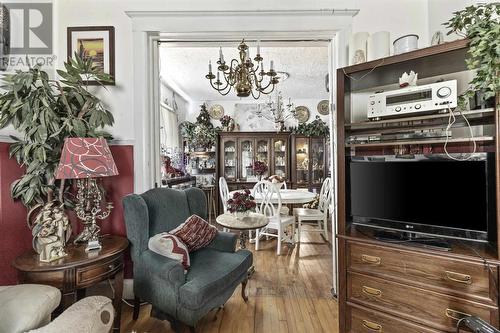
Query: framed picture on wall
point(95, 42)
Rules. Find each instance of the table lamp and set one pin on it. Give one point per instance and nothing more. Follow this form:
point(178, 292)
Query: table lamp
point(86, 159)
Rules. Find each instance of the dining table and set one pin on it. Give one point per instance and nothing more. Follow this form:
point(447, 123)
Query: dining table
point(288, 196)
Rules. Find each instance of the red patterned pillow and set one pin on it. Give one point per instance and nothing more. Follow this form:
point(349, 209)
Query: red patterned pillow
point(196, 233)
point(171, 247)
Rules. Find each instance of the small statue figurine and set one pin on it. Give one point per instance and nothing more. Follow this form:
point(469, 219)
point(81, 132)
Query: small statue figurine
point(51, 230)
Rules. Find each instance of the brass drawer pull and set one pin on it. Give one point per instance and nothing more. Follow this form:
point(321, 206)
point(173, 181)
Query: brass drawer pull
point(372, 291)
point(371, 259)
point(372, 326)
point(455, 315)
point(458, 277)
point(111, 267)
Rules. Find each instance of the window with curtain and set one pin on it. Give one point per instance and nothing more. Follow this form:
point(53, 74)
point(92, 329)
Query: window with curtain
point(169, 130)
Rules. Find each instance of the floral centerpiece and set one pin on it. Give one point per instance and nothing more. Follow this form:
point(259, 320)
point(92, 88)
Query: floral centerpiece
point(259, 168)
point(228, 123)
point(241, 204)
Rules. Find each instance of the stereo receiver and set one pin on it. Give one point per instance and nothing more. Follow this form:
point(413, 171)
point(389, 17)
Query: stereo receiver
point(413, 100)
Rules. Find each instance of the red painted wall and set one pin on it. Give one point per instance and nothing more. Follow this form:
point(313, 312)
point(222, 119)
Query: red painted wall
point(15, 236)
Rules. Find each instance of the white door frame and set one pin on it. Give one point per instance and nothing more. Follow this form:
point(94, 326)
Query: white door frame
point(149, 28)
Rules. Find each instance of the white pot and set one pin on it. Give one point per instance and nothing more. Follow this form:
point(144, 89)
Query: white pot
point(405, 43)
point(241, 215)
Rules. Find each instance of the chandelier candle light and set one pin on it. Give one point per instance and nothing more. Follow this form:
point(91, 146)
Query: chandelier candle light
point(278, 112)
point(86, 159)
point(245, 76)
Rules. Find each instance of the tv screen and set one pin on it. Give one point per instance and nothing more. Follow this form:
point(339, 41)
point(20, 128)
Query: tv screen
point(433, 196)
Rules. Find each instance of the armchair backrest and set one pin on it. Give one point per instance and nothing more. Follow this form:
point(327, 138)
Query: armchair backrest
point(159, 210)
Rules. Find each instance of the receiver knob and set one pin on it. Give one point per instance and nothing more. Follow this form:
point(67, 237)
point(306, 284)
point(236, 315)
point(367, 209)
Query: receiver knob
point(444, 92)
point(418, 106)
point(398, 108)
point(372, 103)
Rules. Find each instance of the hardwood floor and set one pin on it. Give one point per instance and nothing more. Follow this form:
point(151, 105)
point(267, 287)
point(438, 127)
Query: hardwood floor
point(287, 293)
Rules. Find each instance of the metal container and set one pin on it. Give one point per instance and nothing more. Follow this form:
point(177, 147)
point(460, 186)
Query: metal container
point(405, 43)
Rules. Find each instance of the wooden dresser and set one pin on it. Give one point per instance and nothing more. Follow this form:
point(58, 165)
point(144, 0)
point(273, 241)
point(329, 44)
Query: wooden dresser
point(394, 288)
point(390, 287)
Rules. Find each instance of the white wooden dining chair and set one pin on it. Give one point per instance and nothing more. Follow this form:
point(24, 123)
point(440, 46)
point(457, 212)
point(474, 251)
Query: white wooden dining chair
point(320, 214)
point(270, 206)
point(224, 195)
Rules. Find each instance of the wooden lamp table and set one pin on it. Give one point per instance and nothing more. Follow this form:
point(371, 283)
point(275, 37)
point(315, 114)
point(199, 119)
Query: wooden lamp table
point(253, 221)
point(78, 270)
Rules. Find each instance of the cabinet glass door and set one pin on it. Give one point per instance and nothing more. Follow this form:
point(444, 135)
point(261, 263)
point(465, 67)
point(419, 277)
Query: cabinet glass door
point(317, 157)
point(302, 159)
point(280, 158)
point(246, 158)
point(229, 147)
point(262, 154)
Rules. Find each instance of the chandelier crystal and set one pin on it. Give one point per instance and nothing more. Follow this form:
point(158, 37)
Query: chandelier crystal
point(244, 75)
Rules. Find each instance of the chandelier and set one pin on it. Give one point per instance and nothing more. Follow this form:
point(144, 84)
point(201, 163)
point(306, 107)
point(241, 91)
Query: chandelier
point(277, 111)
point(245, 76)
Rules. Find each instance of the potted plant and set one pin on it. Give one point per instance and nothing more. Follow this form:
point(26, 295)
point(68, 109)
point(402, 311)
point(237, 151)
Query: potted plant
point(200, 135)
point(317, 127)
point(227, 123)
point(45, 112)
point(259, 168)
point(241, 204)
point(481, 25)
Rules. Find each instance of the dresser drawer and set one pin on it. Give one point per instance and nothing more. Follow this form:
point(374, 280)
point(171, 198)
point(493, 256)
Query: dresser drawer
point(426, 307)
point(451, 276)
point(92, 274)
point(363, 320)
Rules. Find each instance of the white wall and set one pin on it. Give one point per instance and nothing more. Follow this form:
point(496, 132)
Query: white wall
point(229, 109)
point(399, 17)
point(405, 16)
point(440, 11)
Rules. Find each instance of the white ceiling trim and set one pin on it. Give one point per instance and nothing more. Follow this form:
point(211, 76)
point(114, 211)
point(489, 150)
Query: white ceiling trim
point(290, 12)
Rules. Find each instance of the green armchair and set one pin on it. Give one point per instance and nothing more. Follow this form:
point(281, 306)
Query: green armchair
point(215, 271)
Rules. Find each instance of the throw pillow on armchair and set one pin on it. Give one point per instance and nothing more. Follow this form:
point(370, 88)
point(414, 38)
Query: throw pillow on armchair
point(171, 247)
point(195, 232)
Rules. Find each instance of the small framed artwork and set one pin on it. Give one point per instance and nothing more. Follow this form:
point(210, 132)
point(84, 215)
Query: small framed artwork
point(95, 42)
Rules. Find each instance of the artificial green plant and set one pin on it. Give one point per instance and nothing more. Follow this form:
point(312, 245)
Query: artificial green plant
point(201, 134)
point(45, 112)
point(481, 25)
point(317, 127)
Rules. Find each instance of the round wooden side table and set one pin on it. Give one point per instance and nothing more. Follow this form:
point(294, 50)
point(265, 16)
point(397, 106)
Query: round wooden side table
point(78, 270)
point(251, 222)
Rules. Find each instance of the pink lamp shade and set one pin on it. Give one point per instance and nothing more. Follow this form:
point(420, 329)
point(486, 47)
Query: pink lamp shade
point(85, 158)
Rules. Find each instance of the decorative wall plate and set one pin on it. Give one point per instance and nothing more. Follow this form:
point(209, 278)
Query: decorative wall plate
point(302, 114)
point(216, 111)
point(324, 107)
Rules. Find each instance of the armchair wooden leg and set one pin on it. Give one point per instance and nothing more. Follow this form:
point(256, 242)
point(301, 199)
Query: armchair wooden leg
point(243, 287)
point(137, 308)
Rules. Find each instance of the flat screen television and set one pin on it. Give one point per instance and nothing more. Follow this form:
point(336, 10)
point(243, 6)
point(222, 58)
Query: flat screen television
point(430, 195)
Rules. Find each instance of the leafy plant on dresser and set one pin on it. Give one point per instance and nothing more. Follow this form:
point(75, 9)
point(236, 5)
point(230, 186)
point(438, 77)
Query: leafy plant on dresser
point(481, 25)
point(317, 127)
point(46, 111)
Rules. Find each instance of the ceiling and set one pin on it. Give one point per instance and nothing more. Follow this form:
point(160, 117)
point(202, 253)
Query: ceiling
point(184, 68)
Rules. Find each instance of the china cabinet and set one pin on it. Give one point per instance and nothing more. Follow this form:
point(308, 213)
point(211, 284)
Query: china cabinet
point(309, 163)
point(238, 152)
